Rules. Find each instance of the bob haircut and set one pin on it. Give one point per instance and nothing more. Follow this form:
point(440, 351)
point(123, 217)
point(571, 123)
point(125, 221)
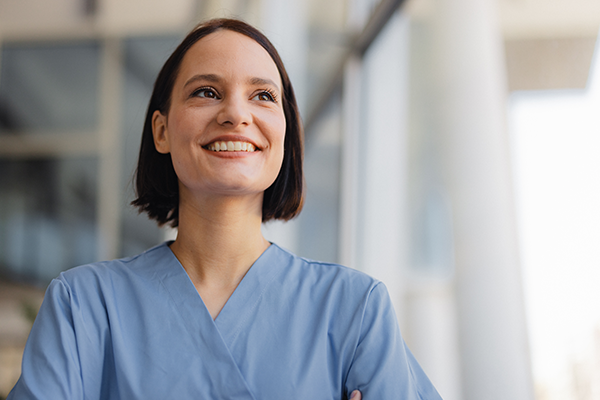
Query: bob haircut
point(156, 184)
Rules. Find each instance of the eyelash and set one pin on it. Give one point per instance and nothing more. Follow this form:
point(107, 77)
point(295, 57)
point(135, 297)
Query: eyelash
point(270, 93)
point(196, 92)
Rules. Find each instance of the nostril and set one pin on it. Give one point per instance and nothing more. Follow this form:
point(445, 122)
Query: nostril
point(234, 112)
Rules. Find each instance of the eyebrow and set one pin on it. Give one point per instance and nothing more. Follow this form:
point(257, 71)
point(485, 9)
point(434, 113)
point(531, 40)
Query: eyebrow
point(263, 81)
point(203, 77)
point(215, 79)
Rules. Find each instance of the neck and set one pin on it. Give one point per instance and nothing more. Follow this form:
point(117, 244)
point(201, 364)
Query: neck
point(219, 239)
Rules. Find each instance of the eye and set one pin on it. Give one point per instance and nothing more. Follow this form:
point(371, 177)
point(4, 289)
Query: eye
point(206, 92)
point(265, 95)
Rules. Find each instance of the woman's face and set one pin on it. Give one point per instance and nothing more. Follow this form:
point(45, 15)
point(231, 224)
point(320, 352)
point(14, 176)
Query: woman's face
point(225, 127)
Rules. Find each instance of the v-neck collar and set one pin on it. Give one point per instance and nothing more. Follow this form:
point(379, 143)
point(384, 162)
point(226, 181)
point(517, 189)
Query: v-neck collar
point(199, 323)
point(245, 297)
point(179, 285)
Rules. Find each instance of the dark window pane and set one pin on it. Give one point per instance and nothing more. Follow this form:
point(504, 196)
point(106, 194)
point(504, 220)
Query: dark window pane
point(49, 87)
point(47, 216)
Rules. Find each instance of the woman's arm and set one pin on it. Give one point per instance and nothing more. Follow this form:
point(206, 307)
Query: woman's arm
point(51, 368)
point(383, 366)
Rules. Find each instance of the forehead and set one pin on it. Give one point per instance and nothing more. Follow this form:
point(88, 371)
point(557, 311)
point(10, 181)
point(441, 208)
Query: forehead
point(231, 55)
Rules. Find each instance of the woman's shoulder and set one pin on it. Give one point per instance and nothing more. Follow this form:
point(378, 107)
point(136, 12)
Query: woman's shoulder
point(100, 287)
point(328, 275)
point(119, 269)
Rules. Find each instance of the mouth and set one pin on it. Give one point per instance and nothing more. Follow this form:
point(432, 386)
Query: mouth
point(231, 146)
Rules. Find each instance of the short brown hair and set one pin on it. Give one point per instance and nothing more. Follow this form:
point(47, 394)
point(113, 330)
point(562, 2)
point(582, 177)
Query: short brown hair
point(156, 184)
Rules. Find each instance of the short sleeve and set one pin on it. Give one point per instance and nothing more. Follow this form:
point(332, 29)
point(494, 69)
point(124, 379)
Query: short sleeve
point(383, 366)
point(51, 368)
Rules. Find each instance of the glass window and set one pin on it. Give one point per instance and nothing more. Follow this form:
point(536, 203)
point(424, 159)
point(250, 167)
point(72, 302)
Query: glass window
point(431, 237)
point(47, 216)
point(319, 219)
point(49, 87)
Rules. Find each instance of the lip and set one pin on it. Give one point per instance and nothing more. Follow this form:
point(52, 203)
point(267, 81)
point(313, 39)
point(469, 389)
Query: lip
point(231, 138)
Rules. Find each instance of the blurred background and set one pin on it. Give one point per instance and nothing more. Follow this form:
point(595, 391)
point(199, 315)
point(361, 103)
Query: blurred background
point(452, 151)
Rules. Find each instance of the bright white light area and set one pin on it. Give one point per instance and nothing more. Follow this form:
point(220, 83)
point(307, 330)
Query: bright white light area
point(556, 143)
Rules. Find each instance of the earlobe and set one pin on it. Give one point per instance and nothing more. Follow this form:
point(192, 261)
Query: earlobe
point(159, 132)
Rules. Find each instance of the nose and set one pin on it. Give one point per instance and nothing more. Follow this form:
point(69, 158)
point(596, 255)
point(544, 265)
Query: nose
point(234, 111)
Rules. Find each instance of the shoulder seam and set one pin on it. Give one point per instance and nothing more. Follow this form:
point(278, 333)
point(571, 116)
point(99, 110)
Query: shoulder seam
point(362, 319)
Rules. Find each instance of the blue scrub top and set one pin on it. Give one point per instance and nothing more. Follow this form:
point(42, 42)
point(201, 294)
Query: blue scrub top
point(293, 329)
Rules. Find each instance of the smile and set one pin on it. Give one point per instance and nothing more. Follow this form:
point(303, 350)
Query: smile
point(231, 146)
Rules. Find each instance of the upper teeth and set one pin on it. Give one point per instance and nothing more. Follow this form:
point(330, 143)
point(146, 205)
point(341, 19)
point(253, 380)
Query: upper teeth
point(231, 146)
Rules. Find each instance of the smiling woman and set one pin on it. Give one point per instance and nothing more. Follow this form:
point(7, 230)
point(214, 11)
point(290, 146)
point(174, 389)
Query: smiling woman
point(224, 97)
point(156, 182)
point(219, 313)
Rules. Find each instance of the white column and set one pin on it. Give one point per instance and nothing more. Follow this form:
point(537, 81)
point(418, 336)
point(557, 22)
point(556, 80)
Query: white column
point(432, 333)
point(470, 74)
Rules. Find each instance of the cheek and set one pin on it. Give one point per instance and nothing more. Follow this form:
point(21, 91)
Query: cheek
point(183, 135)
point(182, 146)
point(279, 128)
point(280, 140)
point(179, 126)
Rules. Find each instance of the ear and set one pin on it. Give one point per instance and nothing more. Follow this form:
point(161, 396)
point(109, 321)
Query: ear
point(160, 133)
